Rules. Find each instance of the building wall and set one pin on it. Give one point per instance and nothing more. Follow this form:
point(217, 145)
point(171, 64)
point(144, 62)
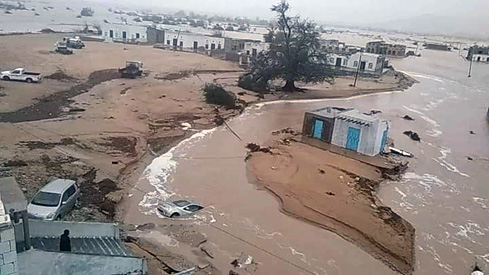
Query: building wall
point(39, 228)
point(155, 36)
point(480, 58)
point(379, 47)
point(309, 123)
point(8, 251)
point(370, 137)
point(250, 48)
point(132, 32)
point(186, 40)
point(373, 63)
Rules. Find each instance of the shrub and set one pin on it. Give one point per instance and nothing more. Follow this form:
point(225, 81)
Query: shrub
point(215, 94)
point(248, 82)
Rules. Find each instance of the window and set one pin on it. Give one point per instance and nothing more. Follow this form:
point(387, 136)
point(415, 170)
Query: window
point(345, 62)
point(181, 43)
point(219, 46)
point(394, 52)
point(331, 60)
point(16, 72)
point(69, 192)
point(370, 65)
point(193, 208)
point(137, 35)
point(389, 52)
point(355, 64)
point(206, 46)
point(46, 199)
point(213, 46)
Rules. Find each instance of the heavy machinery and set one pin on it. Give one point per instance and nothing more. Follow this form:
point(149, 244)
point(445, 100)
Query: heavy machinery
point(62, 48)
point(133, 69)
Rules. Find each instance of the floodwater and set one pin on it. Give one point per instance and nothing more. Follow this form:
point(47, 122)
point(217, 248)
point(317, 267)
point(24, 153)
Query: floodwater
point(443, 194)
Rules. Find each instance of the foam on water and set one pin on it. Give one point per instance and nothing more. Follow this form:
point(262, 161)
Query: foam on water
point(442, 160)
point(159, 171)
point(426, 76)
point(435, 131)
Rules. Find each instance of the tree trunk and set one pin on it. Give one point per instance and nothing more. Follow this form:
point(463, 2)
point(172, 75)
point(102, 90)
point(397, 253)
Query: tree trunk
point(289, 86)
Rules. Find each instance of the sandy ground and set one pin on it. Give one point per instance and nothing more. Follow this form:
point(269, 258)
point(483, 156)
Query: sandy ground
point(90, 125)
point(337, 193)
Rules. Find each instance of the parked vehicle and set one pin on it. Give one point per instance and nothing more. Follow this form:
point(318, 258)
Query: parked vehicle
point(74, 43)
point(132, 69)
point(54, 200)
point(62, 48)
point(20, 74)
point(178, 208)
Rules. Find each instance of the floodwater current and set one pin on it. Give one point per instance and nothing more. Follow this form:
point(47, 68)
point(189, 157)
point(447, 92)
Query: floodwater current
point(443, 194)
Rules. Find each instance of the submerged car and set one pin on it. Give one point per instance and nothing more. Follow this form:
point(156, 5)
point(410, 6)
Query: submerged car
point(54, 200)
point(178, 208)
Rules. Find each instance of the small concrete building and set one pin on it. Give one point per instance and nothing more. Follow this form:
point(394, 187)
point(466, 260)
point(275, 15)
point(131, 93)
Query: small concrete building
point(124, 33)
point(478, 54)
point(347, 128)
point(366, 63)
point(193, 41)
point(251, 50)
point(155, 35)
point(336, 46)
point(437, 47)
point(381, 47)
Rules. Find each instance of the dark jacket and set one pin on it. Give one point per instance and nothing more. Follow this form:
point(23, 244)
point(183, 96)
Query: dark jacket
point(64, 243)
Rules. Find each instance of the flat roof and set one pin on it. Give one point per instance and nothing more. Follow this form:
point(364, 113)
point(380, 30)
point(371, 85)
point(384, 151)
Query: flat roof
point(11, 195)
point(356, 116)
point(57, 185)
point(330, 112)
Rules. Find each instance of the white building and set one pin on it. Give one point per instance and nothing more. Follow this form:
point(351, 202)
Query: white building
point(251, 50)
point(113, 32)
point(346, 128)
point(360, 133)
point(368, 62)
point(193, 41)
point(254, 48)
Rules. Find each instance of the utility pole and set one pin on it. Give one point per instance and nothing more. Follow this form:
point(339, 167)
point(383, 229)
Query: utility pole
point(358, 70)
point(470, 66)
point(178, 37)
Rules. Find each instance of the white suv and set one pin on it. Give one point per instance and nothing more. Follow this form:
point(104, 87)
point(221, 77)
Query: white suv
point(54, 200)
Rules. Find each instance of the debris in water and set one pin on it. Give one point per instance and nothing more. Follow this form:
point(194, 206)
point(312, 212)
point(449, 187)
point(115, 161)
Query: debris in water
point(413, 135)
point(283, 131)
point(406, 117)
point(469, 158)
point(400, 152)
point(472, 132)
point(253, 147)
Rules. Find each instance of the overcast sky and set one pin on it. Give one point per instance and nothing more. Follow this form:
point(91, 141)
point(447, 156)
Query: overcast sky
point(348, 11)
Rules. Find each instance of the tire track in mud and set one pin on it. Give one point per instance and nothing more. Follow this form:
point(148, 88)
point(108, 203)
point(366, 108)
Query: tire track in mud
point(51, 106)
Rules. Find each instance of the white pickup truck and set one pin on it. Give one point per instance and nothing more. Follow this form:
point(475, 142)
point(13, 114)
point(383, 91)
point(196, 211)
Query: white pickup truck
point(20, 74)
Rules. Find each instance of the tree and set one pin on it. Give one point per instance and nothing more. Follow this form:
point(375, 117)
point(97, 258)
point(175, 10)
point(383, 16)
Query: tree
point(294, 53)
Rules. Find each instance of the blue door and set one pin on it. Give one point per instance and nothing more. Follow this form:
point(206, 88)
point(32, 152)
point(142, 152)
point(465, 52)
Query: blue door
point(384, 141)
point(318, 129)
point(353, 139)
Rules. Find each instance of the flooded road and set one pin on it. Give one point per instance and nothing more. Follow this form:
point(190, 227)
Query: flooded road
point(443, 194)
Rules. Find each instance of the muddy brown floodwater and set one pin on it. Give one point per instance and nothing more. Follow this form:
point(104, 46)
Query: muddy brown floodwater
point(443, 194)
